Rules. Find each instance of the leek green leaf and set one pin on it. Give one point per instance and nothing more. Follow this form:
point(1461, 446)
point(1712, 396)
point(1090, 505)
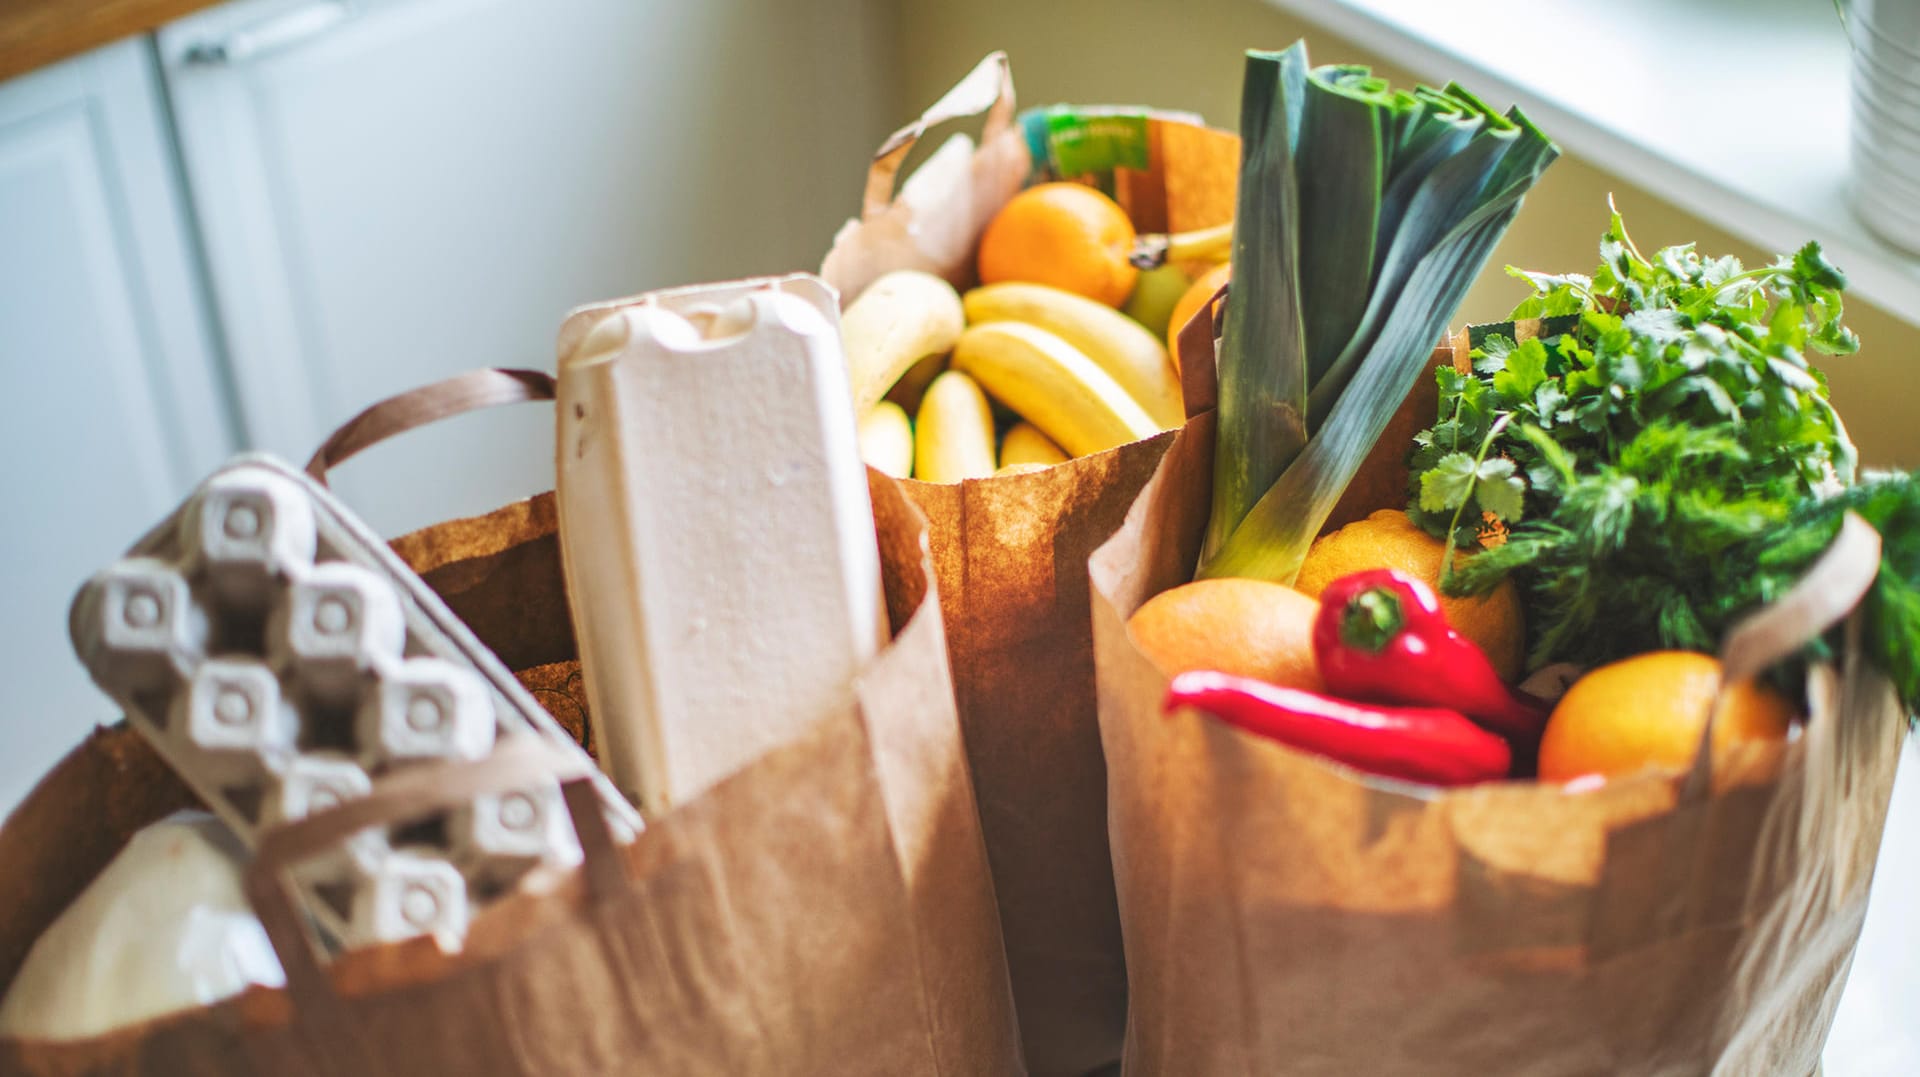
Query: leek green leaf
point(1338, 165)
point(1263, 416)
point(1364, 214)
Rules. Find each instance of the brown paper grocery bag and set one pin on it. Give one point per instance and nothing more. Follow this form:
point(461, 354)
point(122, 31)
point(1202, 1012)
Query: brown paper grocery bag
point(1010, 554)
point(1285, 915)
point(827, 910)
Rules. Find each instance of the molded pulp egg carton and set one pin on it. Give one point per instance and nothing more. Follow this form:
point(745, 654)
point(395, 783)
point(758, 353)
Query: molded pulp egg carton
point(281, 658)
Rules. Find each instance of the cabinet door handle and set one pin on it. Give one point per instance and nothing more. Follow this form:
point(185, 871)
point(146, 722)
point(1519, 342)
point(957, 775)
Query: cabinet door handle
point(267, 36)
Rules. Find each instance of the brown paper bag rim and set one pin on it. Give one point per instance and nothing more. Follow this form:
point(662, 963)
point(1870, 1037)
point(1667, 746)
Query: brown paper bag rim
point(1070, 471)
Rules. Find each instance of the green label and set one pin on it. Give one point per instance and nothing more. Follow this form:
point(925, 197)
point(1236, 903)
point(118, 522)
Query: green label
point(1083, 145)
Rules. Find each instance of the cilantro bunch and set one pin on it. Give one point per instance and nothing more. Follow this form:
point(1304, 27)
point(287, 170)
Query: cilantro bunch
point(1662, 458)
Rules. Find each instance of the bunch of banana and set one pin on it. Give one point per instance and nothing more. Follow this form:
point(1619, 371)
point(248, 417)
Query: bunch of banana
point(1080, 376)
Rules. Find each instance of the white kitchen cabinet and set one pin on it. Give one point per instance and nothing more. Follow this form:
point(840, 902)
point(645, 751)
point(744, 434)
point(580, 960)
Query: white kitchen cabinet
point(111, 406)
point(392, 191)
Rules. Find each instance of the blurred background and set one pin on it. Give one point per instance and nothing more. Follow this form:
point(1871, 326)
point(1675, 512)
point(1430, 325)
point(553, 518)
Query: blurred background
point(230, 226)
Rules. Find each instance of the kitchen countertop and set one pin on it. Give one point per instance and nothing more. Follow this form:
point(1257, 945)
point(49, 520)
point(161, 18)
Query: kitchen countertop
point(34, 33)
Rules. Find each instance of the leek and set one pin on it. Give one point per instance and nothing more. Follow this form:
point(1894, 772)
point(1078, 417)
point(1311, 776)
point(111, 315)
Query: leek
point(1263, 420)
point(1364, 215)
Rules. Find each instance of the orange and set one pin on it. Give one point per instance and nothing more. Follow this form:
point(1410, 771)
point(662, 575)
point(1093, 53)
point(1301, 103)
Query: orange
point(1390, 539)
point(1251, 628)
point(1648, 710)
point(1189, 304)
point(1063, 234)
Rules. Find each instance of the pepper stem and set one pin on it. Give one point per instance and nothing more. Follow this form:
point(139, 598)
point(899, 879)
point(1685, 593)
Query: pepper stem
point(1372, 619)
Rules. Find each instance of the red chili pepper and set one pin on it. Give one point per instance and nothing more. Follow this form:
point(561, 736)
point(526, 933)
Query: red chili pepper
point(1421, 744)
point(1381, 635)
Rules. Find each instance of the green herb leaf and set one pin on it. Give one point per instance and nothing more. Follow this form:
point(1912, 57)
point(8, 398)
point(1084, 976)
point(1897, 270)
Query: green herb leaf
point(1446, 486)
point(1524, 371)
point(1491, 356)
point(1674, 453)
point(1499, 490)
point(1810, 264)
point(1657, 326)
point(1549, 404)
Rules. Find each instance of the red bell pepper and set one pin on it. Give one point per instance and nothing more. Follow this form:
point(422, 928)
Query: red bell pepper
point(1419, 744)
point(1381, 635)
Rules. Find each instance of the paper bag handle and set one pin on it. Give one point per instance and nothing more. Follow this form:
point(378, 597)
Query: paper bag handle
point(1823, 597)
point(1196, 346)
point(403, 796)
point(987, 88)
point(444, 399)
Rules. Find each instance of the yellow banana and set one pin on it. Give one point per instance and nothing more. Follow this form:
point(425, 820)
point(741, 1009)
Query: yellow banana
point(899, 320)
point(1211, 245)
point(954, 435)
point(886, 440)
point(1117, 344)
point(1053, 385)
point(1203, 246)
point(1025, 444)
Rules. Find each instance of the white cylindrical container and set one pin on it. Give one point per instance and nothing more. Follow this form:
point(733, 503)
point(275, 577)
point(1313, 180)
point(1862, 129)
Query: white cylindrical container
point(1885, 36)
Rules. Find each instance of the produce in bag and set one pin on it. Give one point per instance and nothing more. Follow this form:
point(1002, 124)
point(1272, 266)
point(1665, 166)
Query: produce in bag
point(1427, 183)
point(1098, 388)
point(1659, 456)
point(1365, 214)
point(1622, 926)
point(1690, 906)
point(1382, 634)
point(886, 440)
point(1431, 745)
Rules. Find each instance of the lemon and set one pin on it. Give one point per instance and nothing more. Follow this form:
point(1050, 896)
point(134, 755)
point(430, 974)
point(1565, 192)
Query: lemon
point(1390, 539)
point(1648, 710)
point(1250, 628)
